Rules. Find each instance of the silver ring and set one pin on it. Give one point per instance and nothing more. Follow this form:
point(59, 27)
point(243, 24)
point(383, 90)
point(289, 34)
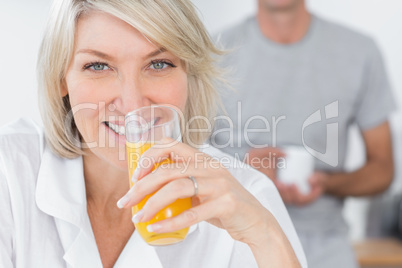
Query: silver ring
point(195, 185)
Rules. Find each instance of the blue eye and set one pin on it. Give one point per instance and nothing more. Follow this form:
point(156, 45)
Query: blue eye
point(159, 65)
point(97, 66)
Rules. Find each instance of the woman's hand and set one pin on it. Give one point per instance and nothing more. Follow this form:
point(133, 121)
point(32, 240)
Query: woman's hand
point(221, 199)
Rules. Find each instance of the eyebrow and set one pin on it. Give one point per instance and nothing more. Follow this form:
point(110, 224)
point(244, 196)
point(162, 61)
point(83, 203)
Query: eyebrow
point(95, 52)
point(156, 52)
point(108, 57)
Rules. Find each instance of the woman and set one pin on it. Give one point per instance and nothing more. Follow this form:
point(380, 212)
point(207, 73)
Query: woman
point(98, 61)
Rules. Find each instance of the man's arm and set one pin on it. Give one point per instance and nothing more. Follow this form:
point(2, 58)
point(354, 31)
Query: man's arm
point(375, 176)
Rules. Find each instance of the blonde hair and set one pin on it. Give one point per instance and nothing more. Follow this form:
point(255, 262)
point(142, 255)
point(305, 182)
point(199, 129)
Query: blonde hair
point(173, 24)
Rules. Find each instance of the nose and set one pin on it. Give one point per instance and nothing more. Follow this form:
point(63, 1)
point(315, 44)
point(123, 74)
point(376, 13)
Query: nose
point(131, 95)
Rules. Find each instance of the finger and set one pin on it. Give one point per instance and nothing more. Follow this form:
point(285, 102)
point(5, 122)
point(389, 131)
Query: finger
point(187, 218)
point(153, 181)
point(303, 199)
point(317, 191)
point(307, 199)
point(318, 177)
point(177, 189)
point(313, 179)
point(159, 152)
point(168, 173)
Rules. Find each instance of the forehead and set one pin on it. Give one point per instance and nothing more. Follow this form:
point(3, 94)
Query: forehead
point(103, 31)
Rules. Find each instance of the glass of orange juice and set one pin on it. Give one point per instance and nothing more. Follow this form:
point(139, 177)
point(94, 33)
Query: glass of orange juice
point(144, 128)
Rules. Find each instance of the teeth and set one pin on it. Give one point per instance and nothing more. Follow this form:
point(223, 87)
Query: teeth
point(116, 128)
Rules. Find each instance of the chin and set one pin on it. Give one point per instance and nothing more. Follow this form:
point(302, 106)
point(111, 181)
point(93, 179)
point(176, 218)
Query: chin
point(118, 158)
point(111, 157)
point(279, 5)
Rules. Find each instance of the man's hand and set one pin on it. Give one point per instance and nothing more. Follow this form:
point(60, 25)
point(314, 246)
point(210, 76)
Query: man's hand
point(265, 160)
point(292, 196)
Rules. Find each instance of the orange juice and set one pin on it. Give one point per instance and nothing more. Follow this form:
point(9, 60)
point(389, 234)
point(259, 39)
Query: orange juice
point(134, 152)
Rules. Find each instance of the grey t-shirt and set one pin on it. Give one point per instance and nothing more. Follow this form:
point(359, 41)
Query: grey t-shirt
point(307, 93)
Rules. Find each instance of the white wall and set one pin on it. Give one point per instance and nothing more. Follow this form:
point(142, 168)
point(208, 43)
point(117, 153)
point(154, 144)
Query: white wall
point(21, 27)
point(22, 23)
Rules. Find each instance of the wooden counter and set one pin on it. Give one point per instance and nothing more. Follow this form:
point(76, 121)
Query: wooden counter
point(379, 253)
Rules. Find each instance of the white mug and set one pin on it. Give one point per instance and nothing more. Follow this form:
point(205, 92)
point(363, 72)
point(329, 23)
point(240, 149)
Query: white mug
point(297, 167)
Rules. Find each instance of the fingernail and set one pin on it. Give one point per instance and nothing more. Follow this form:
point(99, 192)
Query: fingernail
point(123, 201)
point(136, 173)
point(138, 216)
point(153, 227)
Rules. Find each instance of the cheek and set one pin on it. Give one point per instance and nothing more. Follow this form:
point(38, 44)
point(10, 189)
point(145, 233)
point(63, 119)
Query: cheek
point(82, 91)
point(86, 119)
point(177, 92)
point(86, 96)
point(85, 106)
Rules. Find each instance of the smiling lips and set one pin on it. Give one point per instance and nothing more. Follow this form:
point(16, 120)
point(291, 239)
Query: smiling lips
point(116, 128)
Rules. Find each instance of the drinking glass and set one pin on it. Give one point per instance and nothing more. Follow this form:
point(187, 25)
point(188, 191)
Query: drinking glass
point(144, 128)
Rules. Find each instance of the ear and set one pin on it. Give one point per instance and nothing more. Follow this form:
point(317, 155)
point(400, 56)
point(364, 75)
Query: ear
point(63, 89)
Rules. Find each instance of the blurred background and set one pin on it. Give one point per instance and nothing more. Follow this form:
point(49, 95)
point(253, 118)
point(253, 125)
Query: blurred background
point(22, 23)
point(382, 20)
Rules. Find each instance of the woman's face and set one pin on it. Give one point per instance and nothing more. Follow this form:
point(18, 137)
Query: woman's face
point(115, 70)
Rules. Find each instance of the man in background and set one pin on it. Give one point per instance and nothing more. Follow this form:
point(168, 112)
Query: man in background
point(303, 81)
